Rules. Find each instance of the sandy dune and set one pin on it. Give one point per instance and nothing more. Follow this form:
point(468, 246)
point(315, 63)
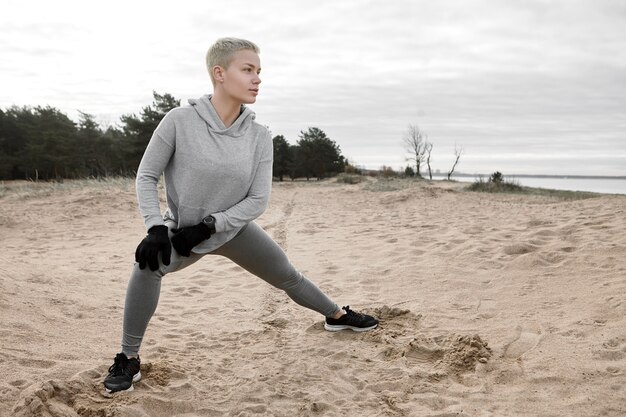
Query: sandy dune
point(490, 305)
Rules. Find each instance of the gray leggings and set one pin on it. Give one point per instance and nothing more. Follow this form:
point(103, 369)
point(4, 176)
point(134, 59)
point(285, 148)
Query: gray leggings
point(252, 249)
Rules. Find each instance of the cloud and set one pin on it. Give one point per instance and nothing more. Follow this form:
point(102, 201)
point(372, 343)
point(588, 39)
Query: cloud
point(499, 78)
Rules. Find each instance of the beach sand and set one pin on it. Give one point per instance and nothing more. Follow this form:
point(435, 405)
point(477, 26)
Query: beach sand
point(490, 305)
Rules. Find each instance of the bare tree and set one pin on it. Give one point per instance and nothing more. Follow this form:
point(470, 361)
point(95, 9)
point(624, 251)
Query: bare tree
point(415, 143)
point(457, 156)
point(429, 149)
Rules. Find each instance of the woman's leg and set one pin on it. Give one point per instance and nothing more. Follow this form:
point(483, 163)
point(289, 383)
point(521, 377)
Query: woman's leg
point(255, 251)
point(142, 297)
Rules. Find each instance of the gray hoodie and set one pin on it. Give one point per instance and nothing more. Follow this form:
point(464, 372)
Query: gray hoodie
point(209, 169)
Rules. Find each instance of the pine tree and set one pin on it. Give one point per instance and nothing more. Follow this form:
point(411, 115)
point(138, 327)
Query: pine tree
point(139, 130)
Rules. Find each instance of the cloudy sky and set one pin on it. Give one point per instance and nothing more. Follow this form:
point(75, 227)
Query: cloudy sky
point(534, 86)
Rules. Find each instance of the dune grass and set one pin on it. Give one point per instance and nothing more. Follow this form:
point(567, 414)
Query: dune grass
point(495, 186)
point(513, 187)
point(30, 189)
point(480, 185)
point(349, 178)
point(389, 184)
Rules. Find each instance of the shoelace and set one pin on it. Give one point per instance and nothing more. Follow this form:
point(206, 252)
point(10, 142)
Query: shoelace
point(120, 365)
point(351, 313)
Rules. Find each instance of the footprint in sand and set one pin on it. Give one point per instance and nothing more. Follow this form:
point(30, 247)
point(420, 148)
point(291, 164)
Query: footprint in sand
point(527, 338)
point(486, 308)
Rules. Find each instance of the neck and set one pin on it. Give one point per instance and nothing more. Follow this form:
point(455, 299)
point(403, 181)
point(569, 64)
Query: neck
point(227, 109)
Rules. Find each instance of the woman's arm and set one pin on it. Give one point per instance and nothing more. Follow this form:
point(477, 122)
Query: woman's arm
point(156, 157)
point(257, 199)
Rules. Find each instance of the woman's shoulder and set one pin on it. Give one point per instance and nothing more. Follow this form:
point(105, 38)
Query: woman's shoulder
point(181, 112)
point(260, 130)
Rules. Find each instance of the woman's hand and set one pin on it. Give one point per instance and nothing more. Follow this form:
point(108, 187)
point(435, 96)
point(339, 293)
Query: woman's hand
point(149, 248)
point(186, 238)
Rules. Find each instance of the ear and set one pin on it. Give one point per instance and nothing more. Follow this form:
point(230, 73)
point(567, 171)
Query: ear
point(218, 73)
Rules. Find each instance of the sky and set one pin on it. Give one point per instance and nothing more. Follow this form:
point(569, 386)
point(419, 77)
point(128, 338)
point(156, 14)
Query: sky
point(522, 87)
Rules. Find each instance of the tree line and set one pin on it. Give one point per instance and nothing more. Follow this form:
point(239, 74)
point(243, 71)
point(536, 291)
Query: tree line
point(315, 155)
point(42, 143)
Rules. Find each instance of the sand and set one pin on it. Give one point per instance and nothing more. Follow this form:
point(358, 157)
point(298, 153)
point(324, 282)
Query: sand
point(490, 305)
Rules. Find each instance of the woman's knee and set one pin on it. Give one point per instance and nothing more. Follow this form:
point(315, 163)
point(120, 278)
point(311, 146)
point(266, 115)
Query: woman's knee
point(146, 274)
point(290, 281)
point(160, 272)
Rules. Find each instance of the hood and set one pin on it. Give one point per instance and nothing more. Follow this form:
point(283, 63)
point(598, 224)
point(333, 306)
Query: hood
point(206, 111)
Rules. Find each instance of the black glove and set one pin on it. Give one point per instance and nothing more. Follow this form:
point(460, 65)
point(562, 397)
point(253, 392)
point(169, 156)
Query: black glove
point(149, 248)
point(186, 238)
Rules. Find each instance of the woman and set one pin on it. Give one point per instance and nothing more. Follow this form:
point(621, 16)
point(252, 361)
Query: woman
point(217, 163)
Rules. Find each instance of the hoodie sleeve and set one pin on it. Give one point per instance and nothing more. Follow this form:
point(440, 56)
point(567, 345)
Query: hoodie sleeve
point(257, 199)
point(156, 157)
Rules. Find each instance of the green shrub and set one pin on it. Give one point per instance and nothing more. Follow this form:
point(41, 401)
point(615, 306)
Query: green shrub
point(388, 172)
point(351, 169)
point(496, 184)
point(349, 179)
point(496, 177)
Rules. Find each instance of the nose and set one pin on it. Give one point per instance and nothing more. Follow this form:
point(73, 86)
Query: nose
point(257, 80)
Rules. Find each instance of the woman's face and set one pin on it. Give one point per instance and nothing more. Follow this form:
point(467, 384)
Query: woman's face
point(241, 79)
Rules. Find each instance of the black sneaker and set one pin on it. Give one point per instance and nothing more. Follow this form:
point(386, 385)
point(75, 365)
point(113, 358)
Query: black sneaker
point(352, 320)
point(122, 374)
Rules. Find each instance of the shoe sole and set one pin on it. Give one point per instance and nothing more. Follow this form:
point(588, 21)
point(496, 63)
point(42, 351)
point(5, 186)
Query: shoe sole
point(339, 327)
point(136, 378)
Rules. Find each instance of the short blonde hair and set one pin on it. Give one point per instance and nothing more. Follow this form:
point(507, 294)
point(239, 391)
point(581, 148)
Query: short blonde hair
point(222, 51)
